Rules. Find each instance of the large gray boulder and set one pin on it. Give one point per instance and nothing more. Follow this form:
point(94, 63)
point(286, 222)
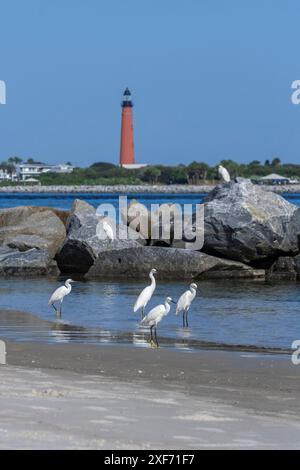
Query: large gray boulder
point(246, 223)
point(84, 243)
point(33, 262)
point(285, 268)
point(171, 263)
point(29, 227)
point(160, 227)
point(80, 214)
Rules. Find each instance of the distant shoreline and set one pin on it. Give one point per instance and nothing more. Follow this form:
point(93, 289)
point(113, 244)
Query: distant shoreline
point(134, 189)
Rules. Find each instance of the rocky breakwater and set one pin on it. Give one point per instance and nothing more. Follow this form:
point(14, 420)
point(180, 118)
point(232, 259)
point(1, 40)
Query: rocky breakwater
point(248, 233)
point(243, 222)
point(171, 261)
point(29, 240)
point(86, 240)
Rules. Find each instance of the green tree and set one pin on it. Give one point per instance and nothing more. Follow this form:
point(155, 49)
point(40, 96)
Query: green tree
point(196, 172)
point(151, 174)
point(9, 167)
point(276, 161)
point(15, 160)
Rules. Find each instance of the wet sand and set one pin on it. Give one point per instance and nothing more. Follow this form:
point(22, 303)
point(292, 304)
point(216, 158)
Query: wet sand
point(84, 396)
point(244, 379)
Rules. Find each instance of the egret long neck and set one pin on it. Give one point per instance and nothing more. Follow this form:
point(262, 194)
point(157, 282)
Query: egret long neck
point(153, 282)
point(68, 286)
point(193, 291)
point(167, 306)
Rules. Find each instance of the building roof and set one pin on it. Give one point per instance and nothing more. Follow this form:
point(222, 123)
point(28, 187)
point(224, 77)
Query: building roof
point(35, 165)
point(274, 176)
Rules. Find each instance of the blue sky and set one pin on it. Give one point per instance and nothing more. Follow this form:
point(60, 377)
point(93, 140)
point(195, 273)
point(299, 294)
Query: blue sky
point(211, 79)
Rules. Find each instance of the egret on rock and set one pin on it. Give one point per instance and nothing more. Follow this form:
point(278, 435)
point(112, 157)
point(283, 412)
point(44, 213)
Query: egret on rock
point(184, 303)
point(108, 230)
point(223, 174)
point(146, 294)
point(155, 316)
point(59, 294)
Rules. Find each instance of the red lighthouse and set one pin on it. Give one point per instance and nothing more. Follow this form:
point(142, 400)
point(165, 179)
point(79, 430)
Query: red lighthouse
point(127, 142)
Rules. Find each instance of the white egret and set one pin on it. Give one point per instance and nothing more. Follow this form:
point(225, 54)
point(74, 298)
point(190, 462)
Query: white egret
point(146, 294)
point(2, 353)
point(108, 230)
point(155, 316)
point(59, 294)
point(184, 303)
point(223, 173)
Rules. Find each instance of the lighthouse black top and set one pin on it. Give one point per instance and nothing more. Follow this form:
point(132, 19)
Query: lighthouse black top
point(127, 99)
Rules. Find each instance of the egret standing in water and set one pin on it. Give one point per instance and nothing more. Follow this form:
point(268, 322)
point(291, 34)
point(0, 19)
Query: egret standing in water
point(223, 174)
point(146, 294)
point(184, 303)
point(155, 316)
point(59, 294)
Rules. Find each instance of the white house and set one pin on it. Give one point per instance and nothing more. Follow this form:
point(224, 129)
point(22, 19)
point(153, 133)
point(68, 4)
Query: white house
point(31, 170)
point(273, 178)
point(4, 175)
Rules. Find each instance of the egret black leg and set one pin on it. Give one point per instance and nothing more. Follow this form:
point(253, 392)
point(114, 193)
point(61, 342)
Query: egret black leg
point(151, 334)
point(156, 337)
point(183, 319)
point(54, 308)
point(143, 312)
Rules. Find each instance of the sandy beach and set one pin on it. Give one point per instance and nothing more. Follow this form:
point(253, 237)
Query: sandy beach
point(117, 397)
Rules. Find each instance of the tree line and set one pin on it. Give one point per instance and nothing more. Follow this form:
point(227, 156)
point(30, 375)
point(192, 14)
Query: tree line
point(193, 173)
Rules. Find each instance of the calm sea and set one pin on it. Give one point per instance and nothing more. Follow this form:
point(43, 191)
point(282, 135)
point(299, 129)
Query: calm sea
point(64, 201)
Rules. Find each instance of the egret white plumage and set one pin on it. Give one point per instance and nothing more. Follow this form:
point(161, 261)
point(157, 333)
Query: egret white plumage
point(108, 230)
point(59, 294)
point(146, 294)
point(184, 303)
point(155, 316)
point(223, 173)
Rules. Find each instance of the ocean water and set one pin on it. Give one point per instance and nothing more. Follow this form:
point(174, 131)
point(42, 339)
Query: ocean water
point(65, 201)
point(247, 313)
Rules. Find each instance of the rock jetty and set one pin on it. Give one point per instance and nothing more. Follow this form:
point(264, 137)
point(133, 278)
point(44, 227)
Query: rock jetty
point(248, 233)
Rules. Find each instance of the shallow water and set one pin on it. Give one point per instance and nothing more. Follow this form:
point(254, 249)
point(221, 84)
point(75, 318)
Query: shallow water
point(233, 313)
